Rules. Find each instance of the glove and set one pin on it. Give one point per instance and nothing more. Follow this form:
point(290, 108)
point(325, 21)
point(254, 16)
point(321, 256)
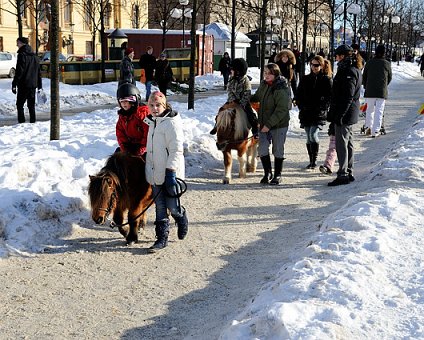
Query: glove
point(14, 90)
point(171, 182)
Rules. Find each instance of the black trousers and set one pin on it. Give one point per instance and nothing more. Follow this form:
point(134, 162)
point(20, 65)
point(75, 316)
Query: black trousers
point(25, 94)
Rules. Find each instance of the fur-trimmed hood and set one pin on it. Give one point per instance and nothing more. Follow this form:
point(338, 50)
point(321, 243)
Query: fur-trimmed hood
point(289, 54)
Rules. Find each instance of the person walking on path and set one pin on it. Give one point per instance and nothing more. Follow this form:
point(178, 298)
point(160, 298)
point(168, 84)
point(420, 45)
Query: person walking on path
point(313, 98)
point(421, 64)
point(273, 115)
point(163, 74)
point(27, 78)
point(225, 68)
point(286, 61)
point(126, 68)
point(164, 163)
point(148, 64)
point(344, 110)
point(375, 79)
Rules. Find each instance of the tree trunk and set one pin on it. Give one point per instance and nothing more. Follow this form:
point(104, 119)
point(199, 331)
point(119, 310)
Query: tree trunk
point(54, 72)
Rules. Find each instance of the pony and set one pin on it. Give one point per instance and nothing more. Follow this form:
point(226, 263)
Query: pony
point(121, 187)
point(233, 133)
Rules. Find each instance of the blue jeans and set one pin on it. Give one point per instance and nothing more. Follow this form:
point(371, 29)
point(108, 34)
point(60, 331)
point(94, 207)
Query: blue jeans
point(148, 89)
point(312, 134)
point(165, 203)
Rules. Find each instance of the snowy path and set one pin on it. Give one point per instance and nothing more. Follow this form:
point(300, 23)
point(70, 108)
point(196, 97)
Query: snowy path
point(94, 287)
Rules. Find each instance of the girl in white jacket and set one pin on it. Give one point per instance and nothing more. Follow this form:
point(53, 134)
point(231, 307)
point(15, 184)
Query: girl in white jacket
point(164, 163)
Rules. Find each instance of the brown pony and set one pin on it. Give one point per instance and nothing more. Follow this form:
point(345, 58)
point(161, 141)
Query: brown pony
point(121, 186)
point(233, 133)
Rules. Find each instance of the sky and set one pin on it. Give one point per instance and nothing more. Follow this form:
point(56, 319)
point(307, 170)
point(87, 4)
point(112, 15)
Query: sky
point(43, 197)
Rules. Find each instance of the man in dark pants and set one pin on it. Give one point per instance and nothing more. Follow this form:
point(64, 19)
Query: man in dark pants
point(344, 111)
point(27, 79)
point(148, 64)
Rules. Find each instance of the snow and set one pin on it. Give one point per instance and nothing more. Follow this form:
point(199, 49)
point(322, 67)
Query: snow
point(359, 278)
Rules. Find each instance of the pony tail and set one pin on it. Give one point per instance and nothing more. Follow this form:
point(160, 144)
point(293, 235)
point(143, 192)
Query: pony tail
point(326, 69)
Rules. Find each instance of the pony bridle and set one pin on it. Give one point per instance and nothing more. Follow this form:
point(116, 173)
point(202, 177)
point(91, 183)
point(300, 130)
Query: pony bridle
point(109, 208)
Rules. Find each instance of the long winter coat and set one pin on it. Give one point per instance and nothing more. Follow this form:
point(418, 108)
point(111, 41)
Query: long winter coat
point(239, 90)
point(273, 104)
point(313, 99)
point(148, 63)
point(344, 107)
point(27, 73)
point(163, 72)
point(126, 69)
point(225, 65)
point(376, 77)
point(164, 147)
point(131, 130)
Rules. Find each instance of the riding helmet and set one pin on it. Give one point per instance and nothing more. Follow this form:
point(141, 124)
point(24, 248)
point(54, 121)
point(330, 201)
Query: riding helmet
point(130, 92)
point(239, 65)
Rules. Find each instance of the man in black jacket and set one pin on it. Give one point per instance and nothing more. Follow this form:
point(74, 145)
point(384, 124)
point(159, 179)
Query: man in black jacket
point(344, 111)
point(148, 64)
point(27, 79)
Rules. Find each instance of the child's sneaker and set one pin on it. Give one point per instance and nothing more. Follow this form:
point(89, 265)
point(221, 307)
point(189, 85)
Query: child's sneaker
point(325, 170)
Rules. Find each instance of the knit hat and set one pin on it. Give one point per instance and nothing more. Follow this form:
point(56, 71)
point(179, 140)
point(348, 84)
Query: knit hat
point(129, 50)
point(23, 40)
point(380, 50)
point(343, 50)
point(239, 65)
point(157, 97)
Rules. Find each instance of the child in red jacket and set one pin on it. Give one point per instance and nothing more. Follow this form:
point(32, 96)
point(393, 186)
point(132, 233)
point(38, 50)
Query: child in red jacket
point(131, 131)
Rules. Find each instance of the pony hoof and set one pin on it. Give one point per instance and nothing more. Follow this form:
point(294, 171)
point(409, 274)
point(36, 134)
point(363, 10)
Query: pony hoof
point(226, 180)
point(131, 242)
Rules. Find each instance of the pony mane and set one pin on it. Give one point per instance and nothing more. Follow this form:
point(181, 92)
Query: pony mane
point(225, 121)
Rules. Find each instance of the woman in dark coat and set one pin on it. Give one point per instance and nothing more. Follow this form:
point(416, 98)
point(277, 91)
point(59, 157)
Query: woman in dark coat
point(286, 61)
point(313, 98)
point(163, 73)
point(225, 68)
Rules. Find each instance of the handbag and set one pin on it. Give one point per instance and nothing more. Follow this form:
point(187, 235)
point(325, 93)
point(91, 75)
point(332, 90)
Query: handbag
point(41, 97)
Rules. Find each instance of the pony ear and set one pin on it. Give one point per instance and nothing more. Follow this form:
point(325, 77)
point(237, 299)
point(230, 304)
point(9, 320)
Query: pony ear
point(91, 177)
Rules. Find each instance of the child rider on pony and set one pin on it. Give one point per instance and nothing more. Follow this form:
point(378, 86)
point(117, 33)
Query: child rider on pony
point(239, 91)
point(131, 130)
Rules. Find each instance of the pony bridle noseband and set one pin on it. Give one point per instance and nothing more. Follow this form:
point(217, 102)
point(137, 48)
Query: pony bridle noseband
point(110, 206)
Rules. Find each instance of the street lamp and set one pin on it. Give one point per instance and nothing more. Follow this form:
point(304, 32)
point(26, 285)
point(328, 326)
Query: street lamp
point(178, 14)
point(354, 9)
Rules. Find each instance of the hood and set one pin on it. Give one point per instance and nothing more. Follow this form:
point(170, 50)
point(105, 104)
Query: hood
point(26, 49)
point(289, 54)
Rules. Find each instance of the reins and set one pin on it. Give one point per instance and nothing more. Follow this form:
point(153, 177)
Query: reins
point(181, 189)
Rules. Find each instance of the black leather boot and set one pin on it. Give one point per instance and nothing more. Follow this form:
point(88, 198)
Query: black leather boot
point(314, 155)
point(162, 232)
point(182, 225)
point(278, 166)
point(308, 147)
point(266, 164)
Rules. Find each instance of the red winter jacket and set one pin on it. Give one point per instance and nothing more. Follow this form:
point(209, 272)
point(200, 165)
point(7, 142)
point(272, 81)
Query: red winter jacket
point(131, 131)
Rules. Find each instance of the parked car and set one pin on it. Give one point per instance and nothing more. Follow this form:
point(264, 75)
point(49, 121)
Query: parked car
point(45, 56)
point(7, 64)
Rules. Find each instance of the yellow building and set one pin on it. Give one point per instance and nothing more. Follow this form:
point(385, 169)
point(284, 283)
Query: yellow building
point(77, 22)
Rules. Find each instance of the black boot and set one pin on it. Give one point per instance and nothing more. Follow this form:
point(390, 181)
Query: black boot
point(278, 166)
point(266, 164)
point(314, 155)
point(308, 146)
point(252, 118)
point(182, 225)
point(162, 232)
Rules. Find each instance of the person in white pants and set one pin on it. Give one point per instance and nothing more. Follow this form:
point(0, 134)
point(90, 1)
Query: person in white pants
point(375, 79)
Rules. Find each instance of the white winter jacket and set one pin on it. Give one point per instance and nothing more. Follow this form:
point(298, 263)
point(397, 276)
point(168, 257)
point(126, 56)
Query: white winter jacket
point(164, 147)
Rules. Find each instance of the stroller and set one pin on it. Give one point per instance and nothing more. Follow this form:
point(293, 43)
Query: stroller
point(363, 114)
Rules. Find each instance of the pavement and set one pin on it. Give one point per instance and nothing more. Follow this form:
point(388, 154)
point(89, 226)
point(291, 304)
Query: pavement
point(45, 116)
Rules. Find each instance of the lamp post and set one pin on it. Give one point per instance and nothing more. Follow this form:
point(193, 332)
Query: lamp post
point(178, 14)
point(346, 9)
point(416, 29)
point(395, 20)
point(71, 27)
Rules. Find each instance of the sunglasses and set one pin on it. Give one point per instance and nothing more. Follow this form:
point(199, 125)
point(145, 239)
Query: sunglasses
point(315, 65)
